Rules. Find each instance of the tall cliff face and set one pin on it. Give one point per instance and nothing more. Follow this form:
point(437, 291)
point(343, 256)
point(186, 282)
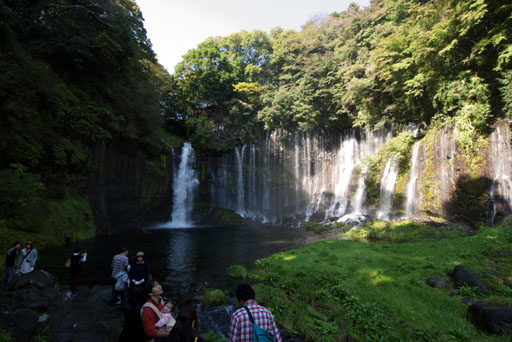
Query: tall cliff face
point(129, 187)
point(292, 177)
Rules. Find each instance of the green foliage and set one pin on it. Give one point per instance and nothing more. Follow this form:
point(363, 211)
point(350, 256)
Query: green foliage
point(74, 77)
point(213, 336)
point(398, 60)
point(398, 149)
point(506, 93)
point(468, 291)
point(315, 227)
point(5, 336)
point(213, 297)
point(376, 291)
point(403, 231)
point(48, 223)
point(18, 189)
point(237, 272)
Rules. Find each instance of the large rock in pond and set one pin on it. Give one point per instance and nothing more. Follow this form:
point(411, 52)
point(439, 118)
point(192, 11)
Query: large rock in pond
point(492, 317)
point(461, 277)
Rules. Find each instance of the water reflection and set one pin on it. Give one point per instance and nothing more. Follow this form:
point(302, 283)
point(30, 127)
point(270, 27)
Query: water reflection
point(182, 259)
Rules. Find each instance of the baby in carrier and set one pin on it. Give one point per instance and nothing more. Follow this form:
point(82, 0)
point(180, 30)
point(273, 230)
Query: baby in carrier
point(167, 321)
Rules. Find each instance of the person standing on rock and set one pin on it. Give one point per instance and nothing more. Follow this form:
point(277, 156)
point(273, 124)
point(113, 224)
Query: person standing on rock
point(28, 258)
point(119, 263)
point(77, 259)
point(150, 312)
point(10, 261)
point(241, 326)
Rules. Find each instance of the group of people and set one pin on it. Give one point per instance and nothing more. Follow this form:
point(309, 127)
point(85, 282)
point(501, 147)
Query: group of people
point(149, 317)
point(21, 260)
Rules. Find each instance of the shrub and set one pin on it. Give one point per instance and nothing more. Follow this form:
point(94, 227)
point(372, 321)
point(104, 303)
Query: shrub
point(213, 297)
point(237, 272)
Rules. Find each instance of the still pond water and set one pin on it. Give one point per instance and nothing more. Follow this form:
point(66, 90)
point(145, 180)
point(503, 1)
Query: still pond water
point(182, 259)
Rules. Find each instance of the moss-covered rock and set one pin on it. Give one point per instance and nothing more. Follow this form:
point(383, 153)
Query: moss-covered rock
point(213, 297)
point(221, 216)
point(237, 272)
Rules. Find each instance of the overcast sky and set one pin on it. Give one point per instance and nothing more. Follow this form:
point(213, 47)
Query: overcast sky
point(176, 26)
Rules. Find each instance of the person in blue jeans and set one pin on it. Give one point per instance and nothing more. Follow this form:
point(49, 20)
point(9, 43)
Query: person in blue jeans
point(10, 261)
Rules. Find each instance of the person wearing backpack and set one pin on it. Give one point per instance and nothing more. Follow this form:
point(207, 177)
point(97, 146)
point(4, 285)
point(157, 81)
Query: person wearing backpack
point(252, 322)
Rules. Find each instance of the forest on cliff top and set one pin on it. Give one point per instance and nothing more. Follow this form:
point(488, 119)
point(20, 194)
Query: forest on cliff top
point(75, 74)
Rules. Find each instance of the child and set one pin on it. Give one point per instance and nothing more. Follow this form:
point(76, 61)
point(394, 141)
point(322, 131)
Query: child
point(167, 321)
point(122, 284)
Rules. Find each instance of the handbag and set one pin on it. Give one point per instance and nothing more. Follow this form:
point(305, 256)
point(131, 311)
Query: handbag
point(258, 334)
point(68, 263)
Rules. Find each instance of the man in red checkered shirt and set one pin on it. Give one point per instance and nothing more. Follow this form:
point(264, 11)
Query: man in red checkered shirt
point(240, 329)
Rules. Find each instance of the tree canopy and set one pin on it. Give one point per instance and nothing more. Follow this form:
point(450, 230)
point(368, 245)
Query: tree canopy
point(397, 60)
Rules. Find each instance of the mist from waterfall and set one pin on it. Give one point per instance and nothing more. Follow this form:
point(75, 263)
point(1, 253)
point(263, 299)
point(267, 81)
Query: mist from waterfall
point(184, 185)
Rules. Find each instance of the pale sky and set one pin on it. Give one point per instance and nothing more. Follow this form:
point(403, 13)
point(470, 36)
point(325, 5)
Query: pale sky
point(176, 26)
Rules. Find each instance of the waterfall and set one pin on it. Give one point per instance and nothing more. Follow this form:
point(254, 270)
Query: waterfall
point(297, 170)
point(446, 150)
point(297, 175)
point(184, 183)
point(501, 170)
point(411, 205)
point(360, 195)
point(252, 179)
point(387, 187)
point(346, 160)
point(239, 155)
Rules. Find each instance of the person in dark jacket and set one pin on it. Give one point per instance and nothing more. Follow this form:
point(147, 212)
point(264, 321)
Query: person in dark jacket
point(77, 259)
point(139, 272)
point(10, 261)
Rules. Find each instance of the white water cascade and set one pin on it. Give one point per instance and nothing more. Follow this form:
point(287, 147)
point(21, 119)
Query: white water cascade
point(446, 149)
point(295, 175)
point(387, 187)
point(240, 153)
point(501, 162)
point(360, 195)
point(411, 204)
point(184, 184)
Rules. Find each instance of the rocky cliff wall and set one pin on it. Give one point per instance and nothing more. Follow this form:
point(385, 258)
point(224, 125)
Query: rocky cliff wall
point(129, 187)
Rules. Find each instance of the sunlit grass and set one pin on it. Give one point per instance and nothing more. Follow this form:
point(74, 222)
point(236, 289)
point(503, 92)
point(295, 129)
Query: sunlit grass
point(377, 291)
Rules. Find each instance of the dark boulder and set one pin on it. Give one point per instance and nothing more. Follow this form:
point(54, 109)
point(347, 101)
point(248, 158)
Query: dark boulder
point(20, 322)
point(38, 278)
point(461, 277)
point(216, 319)
point(492, 317)
point(437, 283)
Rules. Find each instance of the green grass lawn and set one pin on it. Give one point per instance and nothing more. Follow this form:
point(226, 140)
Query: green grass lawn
point(376, 291)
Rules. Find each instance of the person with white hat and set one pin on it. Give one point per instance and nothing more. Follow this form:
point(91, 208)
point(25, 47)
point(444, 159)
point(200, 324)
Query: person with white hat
point(139, 272)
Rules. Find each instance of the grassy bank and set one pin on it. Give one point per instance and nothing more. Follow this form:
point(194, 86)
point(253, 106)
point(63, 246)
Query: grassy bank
point(376, 291)
point(49, 223)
